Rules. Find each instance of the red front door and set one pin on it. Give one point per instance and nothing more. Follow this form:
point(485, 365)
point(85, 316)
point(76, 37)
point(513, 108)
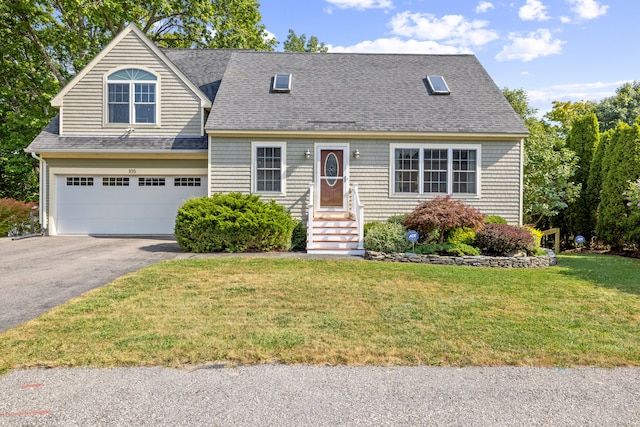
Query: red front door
point(332, 179)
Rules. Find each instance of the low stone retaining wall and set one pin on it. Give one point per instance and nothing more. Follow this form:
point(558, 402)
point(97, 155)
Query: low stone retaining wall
point(471, 261)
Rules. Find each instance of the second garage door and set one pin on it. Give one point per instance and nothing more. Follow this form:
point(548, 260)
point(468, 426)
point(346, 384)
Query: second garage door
point(136, 205)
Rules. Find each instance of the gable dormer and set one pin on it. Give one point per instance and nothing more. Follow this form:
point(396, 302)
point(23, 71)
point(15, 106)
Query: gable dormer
point(131, 86)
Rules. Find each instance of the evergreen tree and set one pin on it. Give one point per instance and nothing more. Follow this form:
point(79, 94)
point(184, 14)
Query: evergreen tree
point(583, 138)
point(596, 173)
point(621, 164)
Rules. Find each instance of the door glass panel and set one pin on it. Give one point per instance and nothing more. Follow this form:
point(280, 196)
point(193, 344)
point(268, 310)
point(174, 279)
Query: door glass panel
point(331, 169)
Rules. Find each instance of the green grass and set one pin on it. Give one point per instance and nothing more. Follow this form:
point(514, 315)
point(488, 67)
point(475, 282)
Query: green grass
point(585, 312)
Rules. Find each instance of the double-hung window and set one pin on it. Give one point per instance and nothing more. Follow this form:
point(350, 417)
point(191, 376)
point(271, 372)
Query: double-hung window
point(435, 170)
point(132, 97)
point(268, 161)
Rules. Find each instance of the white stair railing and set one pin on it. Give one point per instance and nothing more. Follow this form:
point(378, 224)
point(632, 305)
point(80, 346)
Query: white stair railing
point(310, 215)
point(358, 214)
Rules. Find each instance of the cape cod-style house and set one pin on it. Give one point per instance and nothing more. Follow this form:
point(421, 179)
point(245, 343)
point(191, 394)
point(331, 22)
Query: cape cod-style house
point(338, 139)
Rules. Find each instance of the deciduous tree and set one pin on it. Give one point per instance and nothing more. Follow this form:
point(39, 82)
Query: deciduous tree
point(301, 44)
point(46, 42)
point(624, 106)
point(548, 165)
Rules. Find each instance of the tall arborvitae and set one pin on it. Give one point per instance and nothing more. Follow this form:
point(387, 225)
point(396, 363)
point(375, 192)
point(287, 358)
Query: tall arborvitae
point(596, 174)
point(582, 140)
point(621, 163)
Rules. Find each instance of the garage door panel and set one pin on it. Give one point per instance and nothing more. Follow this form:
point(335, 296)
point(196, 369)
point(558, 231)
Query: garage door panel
point(120, 209)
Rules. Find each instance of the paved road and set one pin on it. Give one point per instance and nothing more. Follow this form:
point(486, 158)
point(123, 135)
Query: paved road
point(321, 396)
point(39, 273)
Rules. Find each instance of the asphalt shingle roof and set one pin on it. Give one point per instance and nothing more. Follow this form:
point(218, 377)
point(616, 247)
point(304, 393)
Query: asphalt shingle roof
point(360, 92)
point(50, 140)
point(204, 67)
point(330, 92)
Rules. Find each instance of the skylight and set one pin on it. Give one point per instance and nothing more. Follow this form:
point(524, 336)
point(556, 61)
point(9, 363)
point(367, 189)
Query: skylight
point(438, 85)
point(282, 83)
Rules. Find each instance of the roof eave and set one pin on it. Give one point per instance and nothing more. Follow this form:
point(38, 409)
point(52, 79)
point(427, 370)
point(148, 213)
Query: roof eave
point(368, 134)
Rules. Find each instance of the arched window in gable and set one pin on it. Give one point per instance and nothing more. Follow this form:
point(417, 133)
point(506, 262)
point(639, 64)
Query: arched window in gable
point(131, 96)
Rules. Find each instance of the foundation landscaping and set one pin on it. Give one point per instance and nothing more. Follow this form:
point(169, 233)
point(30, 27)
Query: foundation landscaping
point(445, 231)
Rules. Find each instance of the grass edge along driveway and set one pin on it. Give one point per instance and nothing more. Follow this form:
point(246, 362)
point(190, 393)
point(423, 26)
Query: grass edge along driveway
point(245, 310)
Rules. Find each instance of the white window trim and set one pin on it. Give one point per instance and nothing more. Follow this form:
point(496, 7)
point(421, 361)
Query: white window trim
point(105, 108)
point(449, 148)
point(283, 167)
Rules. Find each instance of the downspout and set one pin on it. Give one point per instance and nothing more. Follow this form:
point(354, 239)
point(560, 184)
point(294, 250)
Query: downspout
point(522, 158)
point(44, 218)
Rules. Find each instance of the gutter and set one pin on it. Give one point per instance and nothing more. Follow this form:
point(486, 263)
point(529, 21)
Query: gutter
point(43, 193)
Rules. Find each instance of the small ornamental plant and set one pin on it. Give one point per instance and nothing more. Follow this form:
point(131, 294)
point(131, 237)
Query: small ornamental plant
point(14, 217)
point(505, 240)
point(386, 237)
point(443, 214)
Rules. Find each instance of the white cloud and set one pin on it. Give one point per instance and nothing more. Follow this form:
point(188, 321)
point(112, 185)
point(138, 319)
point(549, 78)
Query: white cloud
point(565, 19)
point(533, 10)
point(588, 9)
point(543, 98)
point(397, 45)
point(361, 4)
point(529, 47)
point(450, 29)
point(484, 7)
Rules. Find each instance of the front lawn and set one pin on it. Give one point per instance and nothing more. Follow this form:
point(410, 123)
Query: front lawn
point(586, 311)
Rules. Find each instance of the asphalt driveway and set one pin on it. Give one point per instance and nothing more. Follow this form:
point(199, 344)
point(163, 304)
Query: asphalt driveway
point(39, 273)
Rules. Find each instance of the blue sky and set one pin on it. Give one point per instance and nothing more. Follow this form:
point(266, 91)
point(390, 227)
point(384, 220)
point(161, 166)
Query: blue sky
point(554, 49)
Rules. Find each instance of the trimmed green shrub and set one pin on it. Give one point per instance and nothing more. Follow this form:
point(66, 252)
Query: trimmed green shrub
point(504, 240)
point(386, 237)
point(299, 236)
point(233, 223)
point(443, 214)
point(448, 248)
point(462, 235)
point(368, 226)
point(494, 219)
point(15, 216)
point(397, 219)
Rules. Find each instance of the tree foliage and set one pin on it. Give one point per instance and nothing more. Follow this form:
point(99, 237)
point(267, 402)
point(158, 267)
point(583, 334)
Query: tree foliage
point(301, 44)
point(564, 113)
point(620, 165)
point(46, 42)
point(583, 139)
point(548, 165)
point(624, 107)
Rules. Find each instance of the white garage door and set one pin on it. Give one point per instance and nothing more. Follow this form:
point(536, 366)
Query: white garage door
point(122, 204)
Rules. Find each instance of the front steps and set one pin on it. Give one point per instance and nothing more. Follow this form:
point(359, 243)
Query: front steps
point(334, 235)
